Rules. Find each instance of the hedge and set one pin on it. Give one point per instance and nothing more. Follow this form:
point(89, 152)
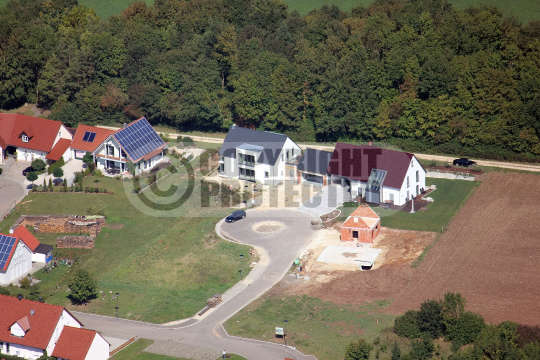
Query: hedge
point(55, 165)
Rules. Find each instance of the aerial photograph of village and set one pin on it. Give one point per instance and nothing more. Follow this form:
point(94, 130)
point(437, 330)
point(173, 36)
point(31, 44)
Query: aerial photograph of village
point(269, 179)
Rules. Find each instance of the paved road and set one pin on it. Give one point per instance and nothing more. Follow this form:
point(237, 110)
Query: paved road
point(208, 333)
point(10, 192)
point(499, 164)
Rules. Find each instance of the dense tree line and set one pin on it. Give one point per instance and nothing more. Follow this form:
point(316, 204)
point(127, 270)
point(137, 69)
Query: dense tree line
point(416, 73)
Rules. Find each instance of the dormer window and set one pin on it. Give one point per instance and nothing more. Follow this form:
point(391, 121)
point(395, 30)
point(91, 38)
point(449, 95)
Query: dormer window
point(24, 138)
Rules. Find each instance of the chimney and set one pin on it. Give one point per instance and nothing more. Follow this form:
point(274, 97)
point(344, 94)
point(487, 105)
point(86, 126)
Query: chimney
point(125, 125)
point(20, 297)
point(41, 299)
point(32, 312)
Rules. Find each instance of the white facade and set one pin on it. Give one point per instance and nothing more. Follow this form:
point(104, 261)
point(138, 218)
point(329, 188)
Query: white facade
point(20, 264)
point(109, 155)
point(26, 154)
point(65, 319)
point(22, 351)
point(99, 349)
point(252, 170)
point(413, 183)
point(36, 257)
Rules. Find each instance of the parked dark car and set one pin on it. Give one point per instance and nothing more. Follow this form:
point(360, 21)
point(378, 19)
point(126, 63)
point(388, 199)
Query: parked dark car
point(235, 216)
point(27, 170)
point(464, 162)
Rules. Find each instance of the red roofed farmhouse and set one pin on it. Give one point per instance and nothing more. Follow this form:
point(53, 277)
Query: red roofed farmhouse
point(87, 139)
point(33, 138)
point(29, 328)
point(363, 225)
point(379, 175)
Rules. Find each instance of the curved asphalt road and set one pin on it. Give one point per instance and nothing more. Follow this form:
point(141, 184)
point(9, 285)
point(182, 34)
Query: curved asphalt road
point(281, 247)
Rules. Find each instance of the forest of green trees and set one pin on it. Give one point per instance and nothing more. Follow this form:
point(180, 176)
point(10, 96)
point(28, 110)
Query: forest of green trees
point(415, 73)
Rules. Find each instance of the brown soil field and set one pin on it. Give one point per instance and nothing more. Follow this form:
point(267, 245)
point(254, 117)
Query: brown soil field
point(489, 254)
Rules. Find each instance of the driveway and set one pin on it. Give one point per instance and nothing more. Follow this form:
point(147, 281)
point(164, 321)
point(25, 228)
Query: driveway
point(326, 200)
point(10, 192)
point(283, 234)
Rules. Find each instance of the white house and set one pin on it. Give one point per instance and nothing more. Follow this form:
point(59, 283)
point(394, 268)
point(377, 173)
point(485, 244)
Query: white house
point(40, 252)
point(87, 138)
point(256, 155)
point(29, 328)
point(379, 175)
point(33, 138)
point(136, 142)
point(15, 258)
point(91, 345)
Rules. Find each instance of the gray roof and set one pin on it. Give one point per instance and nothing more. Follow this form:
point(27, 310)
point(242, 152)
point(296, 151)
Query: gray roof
point(43, 249)
point(315, 161)
point(239, 137)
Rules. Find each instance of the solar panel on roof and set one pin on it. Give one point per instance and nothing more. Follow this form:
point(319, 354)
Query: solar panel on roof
point(6, 245)
point(89, 136)
point(139, 139)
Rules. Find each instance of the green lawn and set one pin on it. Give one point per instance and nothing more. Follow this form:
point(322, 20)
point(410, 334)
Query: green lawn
point(314, 326)
point(135, 351)
point(164, 264)
point(448, 199)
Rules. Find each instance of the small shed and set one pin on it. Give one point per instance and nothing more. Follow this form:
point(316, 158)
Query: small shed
point(363, 225)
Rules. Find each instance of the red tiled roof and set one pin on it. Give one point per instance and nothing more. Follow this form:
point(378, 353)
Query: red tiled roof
point(74, 343)
point(356, 163)
point(26, 236)
point(24, 323)
point(41, 132)
point(365, 211)
point(101, 135)
point(42, 323)
point(358, 218)
point(59, 149)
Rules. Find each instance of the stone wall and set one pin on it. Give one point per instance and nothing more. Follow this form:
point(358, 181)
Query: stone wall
point(62, 223)
point(75, 242)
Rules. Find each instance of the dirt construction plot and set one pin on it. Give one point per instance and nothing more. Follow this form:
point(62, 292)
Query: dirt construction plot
point(345, 283)
point(489, 254)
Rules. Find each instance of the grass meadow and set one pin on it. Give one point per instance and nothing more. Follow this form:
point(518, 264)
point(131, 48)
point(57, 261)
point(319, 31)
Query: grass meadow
point(313, 326)
point(448, 199)
point(164, 263)
point(525, 10)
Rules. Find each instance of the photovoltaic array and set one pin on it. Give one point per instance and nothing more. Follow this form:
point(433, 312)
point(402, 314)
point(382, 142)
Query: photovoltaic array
point(6, 245)
point(139, 139)
point(89, 136)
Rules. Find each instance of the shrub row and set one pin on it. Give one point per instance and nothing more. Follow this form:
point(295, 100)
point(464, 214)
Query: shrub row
point(55, 165)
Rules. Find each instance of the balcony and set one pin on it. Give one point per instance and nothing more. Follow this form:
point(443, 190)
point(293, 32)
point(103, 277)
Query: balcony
point(246, 163)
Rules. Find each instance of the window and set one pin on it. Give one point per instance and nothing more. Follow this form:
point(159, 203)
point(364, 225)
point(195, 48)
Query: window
point(7, 348)
point(247, 174)
point(417, 176)
point(412, 164)
point(287, 154)
point(110, 150)
point(24, 138)
point(244, 159)
point(408, 183)
point(282, 157)
point(266, 174)
point(282, 173)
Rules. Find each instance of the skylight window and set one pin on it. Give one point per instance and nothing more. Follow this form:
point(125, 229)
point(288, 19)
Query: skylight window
point(89, 136)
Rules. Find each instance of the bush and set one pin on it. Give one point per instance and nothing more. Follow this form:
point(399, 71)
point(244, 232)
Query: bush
point(91, 189)
point(187, 141)
point(96, 190)
point(406, 325)
point(97, 172)
point(1, 171)
point(430, 319)
point(528, 334)
point(422, 349)
point(25, 283)
point(83, 286)
point(38, 165)
point(358, 350)
point(31, 176)
point(58, 172)
point(464, 329)
point(55, 165)
point(4, 291)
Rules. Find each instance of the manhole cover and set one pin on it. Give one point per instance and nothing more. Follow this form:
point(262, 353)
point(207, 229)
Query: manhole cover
point(267, 227)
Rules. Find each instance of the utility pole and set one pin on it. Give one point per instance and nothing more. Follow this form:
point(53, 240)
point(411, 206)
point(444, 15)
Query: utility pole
point(285, 333)
point(117, 294)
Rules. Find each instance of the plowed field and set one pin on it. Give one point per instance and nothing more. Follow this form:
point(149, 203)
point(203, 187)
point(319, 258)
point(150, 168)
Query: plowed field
point(490, 254)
